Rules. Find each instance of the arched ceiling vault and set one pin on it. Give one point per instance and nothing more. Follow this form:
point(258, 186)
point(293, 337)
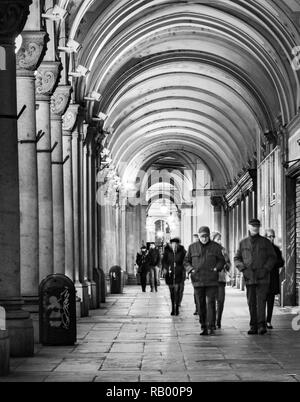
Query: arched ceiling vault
point(192, 77)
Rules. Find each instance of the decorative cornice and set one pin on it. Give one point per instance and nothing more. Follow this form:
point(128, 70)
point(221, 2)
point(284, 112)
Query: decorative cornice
point(244, 185)
point(32, 50)
point(47, 77)
point(13, 16)
point(60, 100)
point(70, 118)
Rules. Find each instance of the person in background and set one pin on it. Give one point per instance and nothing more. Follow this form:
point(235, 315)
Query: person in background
point(274, 288)
point(217, 237)
point(255, 258)
point(174, 272)
point(195, 240)
point(204, 260)
point(153, 258)
point(142, 261)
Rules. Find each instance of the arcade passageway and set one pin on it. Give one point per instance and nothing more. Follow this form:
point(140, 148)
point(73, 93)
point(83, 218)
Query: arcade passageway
point(126, 122)
point(133, 338)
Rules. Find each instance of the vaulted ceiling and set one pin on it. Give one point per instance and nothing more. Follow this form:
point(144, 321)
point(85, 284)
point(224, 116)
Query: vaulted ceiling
point(199, 79)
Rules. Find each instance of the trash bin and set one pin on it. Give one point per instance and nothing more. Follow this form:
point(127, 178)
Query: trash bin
point(57, 311)
point(4, 344)
point(116, 279)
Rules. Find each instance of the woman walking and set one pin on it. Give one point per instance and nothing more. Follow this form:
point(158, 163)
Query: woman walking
point(217, 237)
point(174, 272)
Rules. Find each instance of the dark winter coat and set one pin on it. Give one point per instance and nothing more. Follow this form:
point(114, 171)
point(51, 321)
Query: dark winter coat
point(255, 258)
point(142, 260)
point(153, 257)
point(274, 275)
point(206, 261)
point(172, 275)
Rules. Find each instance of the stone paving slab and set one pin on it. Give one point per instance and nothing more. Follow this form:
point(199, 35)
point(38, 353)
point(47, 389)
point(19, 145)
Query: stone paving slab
point(133, 338)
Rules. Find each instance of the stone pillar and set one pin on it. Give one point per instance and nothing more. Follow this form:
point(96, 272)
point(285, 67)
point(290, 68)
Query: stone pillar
point(217, 202)
point(19, 325)
point(59, 104)
point(46, 79)
point(91, 199)
point(82, 285)
point(69, 121)
point(28, 59)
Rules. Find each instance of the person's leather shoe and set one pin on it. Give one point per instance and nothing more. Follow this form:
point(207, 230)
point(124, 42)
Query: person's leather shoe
point(252, 331)
point(196, 312)
point(204, 332)
point(172, 312)
point(269, 326)
point(210, 331)
point(262, 331)
point(219, 325)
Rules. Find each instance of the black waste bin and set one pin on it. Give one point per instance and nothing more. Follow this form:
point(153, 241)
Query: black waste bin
point(57, 311)
point(116, 279)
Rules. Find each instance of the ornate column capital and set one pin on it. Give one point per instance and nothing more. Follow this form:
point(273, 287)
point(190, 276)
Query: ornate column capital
point(216, 201)
point(70, 118)
point(13, 16)
point(47, 77)
point(32, 51)
point(60, 101)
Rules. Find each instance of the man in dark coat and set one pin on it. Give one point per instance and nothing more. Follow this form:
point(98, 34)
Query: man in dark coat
point(255, 258)
point(274, 288)
point(204, 261)
point(142, 260)
point(153, 259)
point(174, 272)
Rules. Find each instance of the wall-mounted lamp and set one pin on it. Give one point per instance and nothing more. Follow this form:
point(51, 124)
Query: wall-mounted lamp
point(94, 96)
point(80, 71)
point(71, 47)
point(57, 13)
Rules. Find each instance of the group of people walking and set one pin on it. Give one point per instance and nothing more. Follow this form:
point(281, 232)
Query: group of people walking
point(208, 265)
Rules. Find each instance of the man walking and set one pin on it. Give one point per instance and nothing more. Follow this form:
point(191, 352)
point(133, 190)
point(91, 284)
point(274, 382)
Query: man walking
point(274, 288)
point(154, 258)
point(204, 261)
point(142, 260)
point(255, 258)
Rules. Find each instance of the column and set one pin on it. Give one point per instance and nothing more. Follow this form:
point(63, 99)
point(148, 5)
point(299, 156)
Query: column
point(59, 104)
point(28, 58)
point(46, 79)
point(91, 182)
point(69, 121)
point(79, 186)
point(217, 202)
point(19, 325)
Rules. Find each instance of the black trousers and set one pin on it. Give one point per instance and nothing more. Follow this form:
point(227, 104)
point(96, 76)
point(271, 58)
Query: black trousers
point(175, 291)
point(205, 297)
point(181, 290)
point(270, 305)
point(220, 300)
point(257, 299)
point(144, 274)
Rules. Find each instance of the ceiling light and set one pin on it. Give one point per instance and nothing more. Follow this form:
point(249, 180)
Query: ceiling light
point(57, 13)
point(81, 71)
point(72, 47)
point(94, 96)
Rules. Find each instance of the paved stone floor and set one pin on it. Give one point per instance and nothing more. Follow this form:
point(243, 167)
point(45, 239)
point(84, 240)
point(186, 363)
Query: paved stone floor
point(133, 338)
